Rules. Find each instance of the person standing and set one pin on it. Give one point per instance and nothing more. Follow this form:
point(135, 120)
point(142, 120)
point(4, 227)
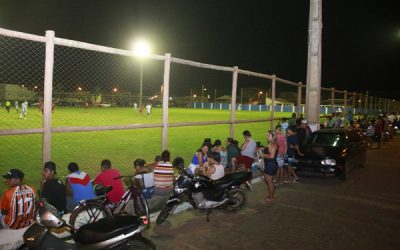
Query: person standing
point(16, 106)
point(292, 151)
point(231, 152)
point(107, 177)
point(53, 189)
point(24, 110)
point(269, 154)
point(148, 109)
point(8, 106)
point(78, 186)
point(280, 158)
point(17, 206)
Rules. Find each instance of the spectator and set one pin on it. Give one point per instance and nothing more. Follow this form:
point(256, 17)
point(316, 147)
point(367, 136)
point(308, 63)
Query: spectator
point(213, 169)
point(292, 151)
point(269, 155)
point(301, 131)
point(163, 174)
point(53, 189)
point(107, 178)
point(17, 206)
point(145, 176)
point(78, 186)
point(248, 153)
point(284, 125)
point(199, 158)
point(292, 120)
point(231, 152)
point(280, 158)
point(217, 147)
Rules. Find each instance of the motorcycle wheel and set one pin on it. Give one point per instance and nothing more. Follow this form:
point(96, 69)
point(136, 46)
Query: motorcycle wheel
point(237, 199)
point(88, 213)
point(165, 212)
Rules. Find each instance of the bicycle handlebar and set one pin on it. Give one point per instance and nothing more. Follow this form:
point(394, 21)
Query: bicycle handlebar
point(123, 176)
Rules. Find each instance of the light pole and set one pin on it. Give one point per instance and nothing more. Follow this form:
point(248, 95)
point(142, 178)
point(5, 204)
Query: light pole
point(141, 49)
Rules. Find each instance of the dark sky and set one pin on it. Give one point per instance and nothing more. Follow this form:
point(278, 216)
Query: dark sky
point(361, 38)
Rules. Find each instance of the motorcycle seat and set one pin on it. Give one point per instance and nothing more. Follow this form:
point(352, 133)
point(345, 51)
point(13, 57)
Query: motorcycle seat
point(106, 228)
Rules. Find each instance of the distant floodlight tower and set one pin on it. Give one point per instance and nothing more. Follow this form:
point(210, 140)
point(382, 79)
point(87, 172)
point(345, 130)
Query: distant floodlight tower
point(141, 49)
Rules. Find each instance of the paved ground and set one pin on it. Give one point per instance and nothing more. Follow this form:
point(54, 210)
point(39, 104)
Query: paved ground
point(361, 213)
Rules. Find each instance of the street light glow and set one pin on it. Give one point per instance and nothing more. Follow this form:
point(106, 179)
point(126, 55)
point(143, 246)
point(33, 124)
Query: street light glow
point(79, 88)
point(141, 48)
point(260, 92)
point(115, 89)
point(194, 96)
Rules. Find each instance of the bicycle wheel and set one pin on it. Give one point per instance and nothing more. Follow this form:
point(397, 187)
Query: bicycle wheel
point(88, 213)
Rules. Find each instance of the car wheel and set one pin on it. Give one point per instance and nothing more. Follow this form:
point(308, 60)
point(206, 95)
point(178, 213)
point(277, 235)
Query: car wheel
point(344, 174)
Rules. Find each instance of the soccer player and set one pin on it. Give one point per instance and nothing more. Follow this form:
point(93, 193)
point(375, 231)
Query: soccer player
point(16, 106)
point(24, 110)
point(148, 109)
point(17, 210)
point(8, 106)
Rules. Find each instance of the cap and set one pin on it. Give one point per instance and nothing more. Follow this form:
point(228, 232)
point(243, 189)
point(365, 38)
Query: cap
point(14, 173)
point(50, 165)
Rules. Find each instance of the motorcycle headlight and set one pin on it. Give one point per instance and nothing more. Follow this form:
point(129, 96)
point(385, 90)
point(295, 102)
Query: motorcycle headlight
point(328, 162)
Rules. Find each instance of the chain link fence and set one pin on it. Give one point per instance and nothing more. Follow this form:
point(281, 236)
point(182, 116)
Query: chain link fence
point(87, 103)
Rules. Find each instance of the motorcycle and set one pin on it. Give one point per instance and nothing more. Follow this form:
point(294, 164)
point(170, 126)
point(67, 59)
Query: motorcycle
point(206, 194)
point(113, 232)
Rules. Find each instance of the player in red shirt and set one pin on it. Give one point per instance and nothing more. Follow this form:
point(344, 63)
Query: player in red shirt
point(106, 178)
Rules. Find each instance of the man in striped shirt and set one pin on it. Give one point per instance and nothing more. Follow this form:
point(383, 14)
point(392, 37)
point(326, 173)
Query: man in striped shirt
point(17, 210)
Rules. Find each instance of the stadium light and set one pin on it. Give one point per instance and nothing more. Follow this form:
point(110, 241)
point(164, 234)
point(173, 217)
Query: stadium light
point(115, 89)
point(141, 49)
point(79, 89)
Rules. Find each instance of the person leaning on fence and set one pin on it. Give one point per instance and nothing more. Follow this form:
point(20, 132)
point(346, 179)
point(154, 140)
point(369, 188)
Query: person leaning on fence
point(163, 174)
point(145, 177)
point(17, 206)
point(78, 186)
point(53, 189)
point(107, 177)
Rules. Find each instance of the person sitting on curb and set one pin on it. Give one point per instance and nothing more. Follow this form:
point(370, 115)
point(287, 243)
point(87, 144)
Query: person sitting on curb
point(107, 178)
point(53, 189)
point(145, 177)
point(17, 210)
point(78, 186)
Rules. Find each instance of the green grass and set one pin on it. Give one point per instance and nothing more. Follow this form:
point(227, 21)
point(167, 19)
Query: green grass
point(122, 146)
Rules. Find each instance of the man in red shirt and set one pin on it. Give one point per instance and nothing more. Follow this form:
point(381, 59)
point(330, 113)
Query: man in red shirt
point(106, 178)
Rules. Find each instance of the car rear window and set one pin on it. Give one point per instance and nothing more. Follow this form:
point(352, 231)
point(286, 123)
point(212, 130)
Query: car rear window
point(320, 139)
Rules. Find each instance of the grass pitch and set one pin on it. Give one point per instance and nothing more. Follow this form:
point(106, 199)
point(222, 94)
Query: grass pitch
point(122, 147)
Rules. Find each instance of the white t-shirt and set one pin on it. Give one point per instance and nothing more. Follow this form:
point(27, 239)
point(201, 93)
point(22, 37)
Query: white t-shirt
point(219, 172)
point(148, 108)
point(250, 149)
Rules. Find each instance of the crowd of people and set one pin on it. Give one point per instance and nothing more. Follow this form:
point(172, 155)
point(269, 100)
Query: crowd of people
point(212, 159)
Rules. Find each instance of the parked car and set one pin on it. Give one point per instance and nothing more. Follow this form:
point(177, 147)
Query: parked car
point(332, 152)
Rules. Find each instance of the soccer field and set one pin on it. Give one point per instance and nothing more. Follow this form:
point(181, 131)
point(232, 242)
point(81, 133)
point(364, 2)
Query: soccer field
point(122, 147)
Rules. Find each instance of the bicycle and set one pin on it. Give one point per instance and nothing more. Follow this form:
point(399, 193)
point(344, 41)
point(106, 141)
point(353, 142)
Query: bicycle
point(91, 210)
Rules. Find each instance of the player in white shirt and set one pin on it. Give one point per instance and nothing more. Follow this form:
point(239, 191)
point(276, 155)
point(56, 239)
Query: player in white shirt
point(24, 110)
point(148, 109)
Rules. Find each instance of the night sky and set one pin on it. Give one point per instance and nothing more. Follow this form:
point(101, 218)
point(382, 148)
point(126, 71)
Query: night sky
point(361, 38)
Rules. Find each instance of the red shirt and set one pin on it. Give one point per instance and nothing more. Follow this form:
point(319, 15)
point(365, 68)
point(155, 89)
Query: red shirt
point(106, 178)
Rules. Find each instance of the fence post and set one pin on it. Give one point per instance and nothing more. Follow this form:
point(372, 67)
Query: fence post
point(164, 136)
point(366, 103)
point(354, 102)
point(48, 96)
point(273, 101)
point(299, 98)
point(333, 98)
point(233, 101)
